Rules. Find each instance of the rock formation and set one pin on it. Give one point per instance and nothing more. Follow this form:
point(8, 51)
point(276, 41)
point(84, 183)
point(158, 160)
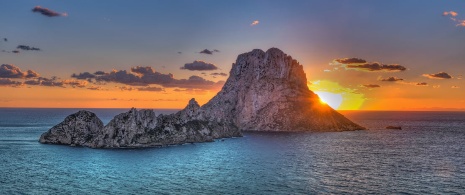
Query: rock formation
point(266, 91)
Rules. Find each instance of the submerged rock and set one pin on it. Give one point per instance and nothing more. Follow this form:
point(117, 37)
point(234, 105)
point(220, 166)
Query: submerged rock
point(266, 91)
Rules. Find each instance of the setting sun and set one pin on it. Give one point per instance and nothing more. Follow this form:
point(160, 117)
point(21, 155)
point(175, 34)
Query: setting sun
point(332, 99)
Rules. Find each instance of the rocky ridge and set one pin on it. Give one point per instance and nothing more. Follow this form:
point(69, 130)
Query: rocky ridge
point(266, 91)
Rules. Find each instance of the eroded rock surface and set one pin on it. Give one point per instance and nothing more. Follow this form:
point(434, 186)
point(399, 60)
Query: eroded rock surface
point(266, 91)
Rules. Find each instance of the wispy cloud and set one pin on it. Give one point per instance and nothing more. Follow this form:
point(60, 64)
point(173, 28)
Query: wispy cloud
point(452, 15)
point(440, 75)
point(372, 67)
point(390, 79)
point(48, 12)
point(371, 86)
point(254, 23)
point(27, 48)
point(362, 65)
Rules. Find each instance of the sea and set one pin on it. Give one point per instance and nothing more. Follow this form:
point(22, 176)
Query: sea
point(426, 157)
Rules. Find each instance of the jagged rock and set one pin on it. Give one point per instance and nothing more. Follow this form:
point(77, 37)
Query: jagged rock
point(266, 91)
point(77, 130)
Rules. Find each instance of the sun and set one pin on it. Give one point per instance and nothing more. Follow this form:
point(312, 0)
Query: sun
point(332, 99)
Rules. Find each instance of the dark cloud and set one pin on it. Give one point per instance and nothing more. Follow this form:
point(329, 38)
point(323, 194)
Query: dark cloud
point(371, 86)
point(350, 61)
point(47, 12)
point(32, 82)
point(206, 51)
point(11, 71)
point(199, 65)
point(27, 48)
point(99, 73)
point(372, 67)
point(5, 39)
point(422, 84)
point(15, 51)
point(122, 76)
point(210, 52)
point(179, 52)
point(53, 82)
point(150, 89)
point(83, 76)
point(391, 79)
point(145, 76)
point(219, 74)
point(9, 82)
point(440, 75)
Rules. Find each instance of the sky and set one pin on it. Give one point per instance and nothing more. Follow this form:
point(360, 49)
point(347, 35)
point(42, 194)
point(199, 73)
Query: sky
point(357, 54)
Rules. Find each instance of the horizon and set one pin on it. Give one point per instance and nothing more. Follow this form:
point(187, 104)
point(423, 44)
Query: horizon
point(357, 55)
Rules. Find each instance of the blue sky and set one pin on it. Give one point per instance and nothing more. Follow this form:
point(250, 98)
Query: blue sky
point(106, 35)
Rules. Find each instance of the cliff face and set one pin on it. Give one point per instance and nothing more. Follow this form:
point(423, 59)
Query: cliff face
point(266, 91)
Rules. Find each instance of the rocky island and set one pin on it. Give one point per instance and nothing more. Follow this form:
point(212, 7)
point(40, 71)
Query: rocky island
point(266, 91)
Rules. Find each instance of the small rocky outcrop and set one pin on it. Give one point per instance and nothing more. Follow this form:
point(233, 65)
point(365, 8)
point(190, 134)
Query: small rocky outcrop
point(77, 130)
point(266, 91)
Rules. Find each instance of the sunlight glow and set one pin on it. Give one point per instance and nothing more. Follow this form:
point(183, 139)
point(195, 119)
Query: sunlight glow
point(337, 96)
point(332, 99)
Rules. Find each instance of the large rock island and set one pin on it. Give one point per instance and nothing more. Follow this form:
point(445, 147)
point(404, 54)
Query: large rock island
point(266, 91)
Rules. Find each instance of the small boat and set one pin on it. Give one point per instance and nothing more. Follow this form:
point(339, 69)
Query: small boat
point(394, 127)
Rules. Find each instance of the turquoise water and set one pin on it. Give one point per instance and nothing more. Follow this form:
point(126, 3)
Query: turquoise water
point(426, 157)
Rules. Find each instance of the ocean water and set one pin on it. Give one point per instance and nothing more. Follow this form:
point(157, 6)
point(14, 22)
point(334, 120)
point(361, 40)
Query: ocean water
point(426, 157)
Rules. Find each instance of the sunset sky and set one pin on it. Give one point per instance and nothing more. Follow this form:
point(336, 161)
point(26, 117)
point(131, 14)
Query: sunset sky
point(357, 54)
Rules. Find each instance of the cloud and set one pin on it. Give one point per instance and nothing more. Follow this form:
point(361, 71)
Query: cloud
point(75, 83)
point(47, 12)
point(95, 88)
point(436, 86)
point(371, 86)
point(422, 84)
point(254, 23)
point(219, 74)
point(372, 67)
point(150, 89)
point(83, 76)
point(362, 65)
point(210, 52)
point(145, 76)
point(206, 51)
point(455, 87)
point(5, 39)
point(27, 48)
point(391, 79)
point(350, 61)
point(9, 82)
point(99, 73)
point(451, 13)
point(11, 71)
point(440, 75)
point(199, 65)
